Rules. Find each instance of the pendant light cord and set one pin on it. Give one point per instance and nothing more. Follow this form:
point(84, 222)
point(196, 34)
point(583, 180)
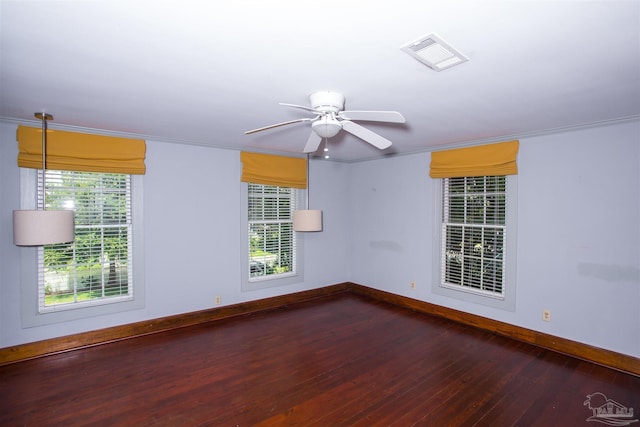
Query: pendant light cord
point(44, 118)
point(44, 142)
point(308, 184)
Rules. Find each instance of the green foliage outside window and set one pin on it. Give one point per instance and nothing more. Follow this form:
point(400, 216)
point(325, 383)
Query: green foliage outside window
point(271, 235)
point(96, 264)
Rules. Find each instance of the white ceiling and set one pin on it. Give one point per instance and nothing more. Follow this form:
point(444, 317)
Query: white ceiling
point(203, 72)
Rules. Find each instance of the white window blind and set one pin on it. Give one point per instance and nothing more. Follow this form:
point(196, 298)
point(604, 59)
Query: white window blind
point(272, 241)
point(97, 267)
point(474, 234)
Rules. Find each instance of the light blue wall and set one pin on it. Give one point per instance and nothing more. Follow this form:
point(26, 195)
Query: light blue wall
point(578, 238)
point(578, 251)
point(192, 203)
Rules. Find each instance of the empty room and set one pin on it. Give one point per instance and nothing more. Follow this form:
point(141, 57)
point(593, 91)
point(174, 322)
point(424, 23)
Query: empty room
point(319, 214)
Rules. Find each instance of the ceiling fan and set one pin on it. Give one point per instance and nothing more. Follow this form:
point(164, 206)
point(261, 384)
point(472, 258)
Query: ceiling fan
point(330, 119)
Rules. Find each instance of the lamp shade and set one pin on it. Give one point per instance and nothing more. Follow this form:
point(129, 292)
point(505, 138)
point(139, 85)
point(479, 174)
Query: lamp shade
point(326, 127)
point(307, 220)
point(38, 227)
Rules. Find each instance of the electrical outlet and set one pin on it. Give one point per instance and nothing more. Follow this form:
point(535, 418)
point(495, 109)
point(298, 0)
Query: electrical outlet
point(218, 299)
point(546, 315)
point(413, 285)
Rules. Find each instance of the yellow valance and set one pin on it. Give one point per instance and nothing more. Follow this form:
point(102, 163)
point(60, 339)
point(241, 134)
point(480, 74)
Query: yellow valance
point(274, 170)
point(81, 152)
point(483, 160)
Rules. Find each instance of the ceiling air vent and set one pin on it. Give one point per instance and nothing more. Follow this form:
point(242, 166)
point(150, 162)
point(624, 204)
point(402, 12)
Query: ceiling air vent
point(434, 52)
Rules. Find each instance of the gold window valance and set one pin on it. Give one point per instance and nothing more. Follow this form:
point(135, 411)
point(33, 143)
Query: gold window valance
point(270, 169)
point(482, 160)
point(81, 152)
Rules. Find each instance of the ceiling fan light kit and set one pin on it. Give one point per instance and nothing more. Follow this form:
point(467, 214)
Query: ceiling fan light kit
point(330, 119)
point(326, 127)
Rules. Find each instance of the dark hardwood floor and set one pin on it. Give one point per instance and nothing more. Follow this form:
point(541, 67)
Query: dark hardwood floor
point(341, 360)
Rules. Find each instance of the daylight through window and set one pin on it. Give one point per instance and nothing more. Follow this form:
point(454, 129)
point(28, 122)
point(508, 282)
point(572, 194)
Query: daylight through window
point(271, 236)
point(97, 267)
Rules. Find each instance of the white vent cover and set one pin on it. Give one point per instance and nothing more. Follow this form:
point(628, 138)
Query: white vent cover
point(434, 52)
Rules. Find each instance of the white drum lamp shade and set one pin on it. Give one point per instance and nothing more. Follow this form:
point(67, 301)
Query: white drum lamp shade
point(307, 220)
point(37, 227)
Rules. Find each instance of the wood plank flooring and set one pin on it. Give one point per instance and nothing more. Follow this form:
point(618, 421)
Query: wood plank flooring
point(341, 360)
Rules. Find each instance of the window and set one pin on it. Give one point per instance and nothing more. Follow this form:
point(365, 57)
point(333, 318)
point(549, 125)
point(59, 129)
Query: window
point(272, 247)
point(95, 274)
point(97, 267)
point(271, 237)
point(475, 239)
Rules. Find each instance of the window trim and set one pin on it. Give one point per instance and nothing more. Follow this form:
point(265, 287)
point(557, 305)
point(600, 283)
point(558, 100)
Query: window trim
point(29, 271)
point(507, 301)
point(267, 281)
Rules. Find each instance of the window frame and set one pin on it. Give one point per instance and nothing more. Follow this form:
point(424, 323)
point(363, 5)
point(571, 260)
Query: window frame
point(263, 282)
point(29, 264)
point(507, 300)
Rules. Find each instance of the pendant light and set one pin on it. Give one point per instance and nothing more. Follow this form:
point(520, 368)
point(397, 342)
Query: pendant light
point(308, 219)
point(43, 227)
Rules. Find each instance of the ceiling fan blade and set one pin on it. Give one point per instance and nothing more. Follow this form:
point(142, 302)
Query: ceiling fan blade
point(297, 106)
point(365, 134)
point(313, 142)
point(374, 116)
point(277, 125)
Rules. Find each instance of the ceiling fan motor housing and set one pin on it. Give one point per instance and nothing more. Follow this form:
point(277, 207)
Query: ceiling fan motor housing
point(327, 101)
